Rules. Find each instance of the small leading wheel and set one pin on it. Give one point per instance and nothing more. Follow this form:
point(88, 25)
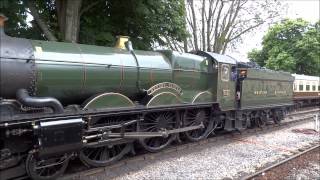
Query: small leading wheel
point(104, 155)
point(194, 118)
point(46, 169)
point(155, 122)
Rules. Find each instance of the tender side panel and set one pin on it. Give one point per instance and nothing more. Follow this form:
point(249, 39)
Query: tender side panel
point(266, 88)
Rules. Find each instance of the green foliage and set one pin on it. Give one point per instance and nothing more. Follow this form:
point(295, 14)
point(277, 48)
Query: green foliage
point(16, 25)
point(257, 56)
point(145, 21)
point(292, 45)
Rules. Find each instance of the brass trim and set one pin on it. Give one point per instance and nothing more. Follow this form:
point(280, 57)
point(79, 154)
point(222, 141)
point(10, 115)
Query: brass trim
point(105, 94)
point(195, 98)
point(161, 94)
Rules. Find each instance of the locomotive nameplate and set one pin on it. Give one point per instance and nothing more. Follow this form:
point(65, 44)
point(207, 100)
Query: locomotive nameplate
point(164, 85)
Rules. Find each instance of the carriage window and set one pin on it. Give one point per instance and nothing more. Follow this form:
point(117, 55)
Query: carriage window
point(308, 88)
point(313, 88)
point(225, 72)
point(301, 87)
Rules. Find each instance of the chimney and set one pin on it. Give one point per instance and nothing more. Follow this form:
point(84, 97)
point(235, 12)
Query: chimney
point(3, 19)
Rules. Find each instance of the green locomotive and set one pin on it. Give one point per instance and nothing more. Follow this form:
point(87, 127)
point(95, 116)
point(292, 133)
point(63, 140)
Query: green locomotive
point(62, 100)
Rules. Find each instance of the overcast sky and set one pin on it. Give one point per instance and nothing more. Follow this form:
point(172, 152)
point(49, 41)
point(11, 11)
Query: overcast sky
point(305, 9)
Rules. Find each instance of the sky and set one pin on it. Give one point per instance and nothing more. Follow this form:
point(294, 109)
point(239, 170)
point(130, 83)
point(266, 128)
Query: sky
point(305, 9)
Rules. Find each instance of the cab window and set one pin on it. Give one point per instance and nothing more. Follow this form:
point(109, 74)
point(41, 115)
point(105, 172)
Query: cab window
point(203, 66)
point(225, 72)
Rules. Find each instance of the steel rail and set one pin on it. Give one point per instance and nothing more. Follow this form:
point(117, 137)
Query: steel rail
point(260, 172)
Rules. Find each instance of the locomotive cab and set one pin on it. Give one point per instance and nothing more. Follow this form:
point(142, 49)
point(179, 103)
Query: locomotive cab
point(224, 79)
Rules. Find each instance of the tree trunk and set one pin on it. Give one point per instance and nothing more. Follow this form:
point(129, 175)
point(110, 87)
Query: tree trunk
point(72, 21)
point(185, 40)
point(42, 25)
point(216, 30)
point(195, 28)
point(209, 28)
point(61, 14)
point(203, 25)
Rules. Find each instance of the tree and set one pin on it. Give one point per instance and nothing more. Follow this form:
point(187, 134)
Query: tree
point(216, 24)
point(291, 45)
point(147, 22)
point(16, 25)
point(257, 56)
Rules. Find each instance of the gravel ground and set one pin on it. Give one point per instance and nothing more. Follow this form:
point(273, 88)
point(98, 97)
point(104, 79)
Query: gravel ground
point(304, 167)
point(230, 159)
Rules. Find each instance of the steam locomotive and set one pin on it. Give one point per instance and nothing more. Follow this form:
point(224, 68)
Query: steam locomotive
point(61, 100)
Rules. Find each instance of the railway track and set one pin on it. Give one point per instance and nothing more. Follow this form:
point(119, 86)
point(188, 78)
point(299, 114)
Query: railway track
point(261, 173)
point(292, 119)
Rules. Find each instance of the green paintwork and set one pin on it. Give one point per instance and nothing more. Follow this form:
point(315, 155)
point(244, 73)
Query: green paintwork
point(266, 88)
point(108, 100)
point(154, 68)
point(73, 72)
point(190, 72)
point(225, 87)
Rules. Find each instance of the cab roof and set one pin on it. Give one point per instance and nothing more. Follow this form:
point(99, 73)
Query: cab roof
point(218, 57)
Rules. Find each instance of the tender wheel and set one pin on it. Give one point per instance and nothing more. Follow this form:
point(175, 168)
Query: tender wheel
point(259, 122)
point(46, 169)
point(104, 155)
point(155, 122)
point(196, 117)
point(277, 117)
